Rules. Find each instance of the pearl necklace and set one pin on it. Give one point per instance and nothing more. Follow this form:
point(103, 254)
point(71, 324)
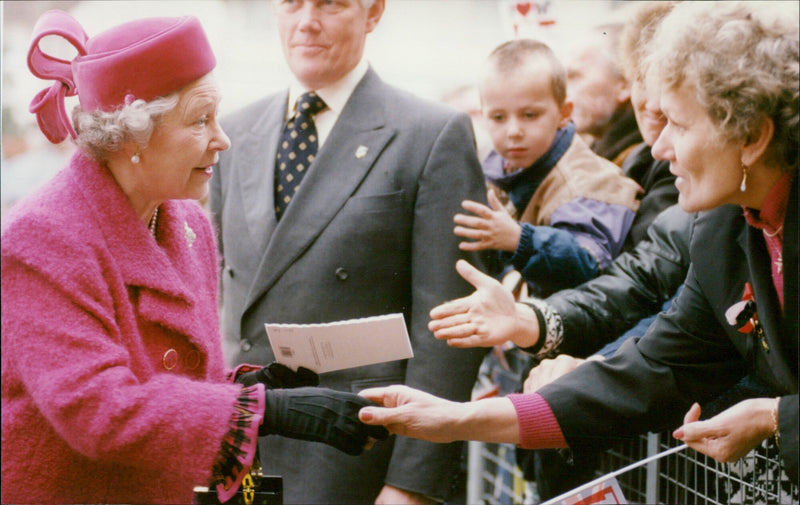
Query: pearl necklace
point(153, 223)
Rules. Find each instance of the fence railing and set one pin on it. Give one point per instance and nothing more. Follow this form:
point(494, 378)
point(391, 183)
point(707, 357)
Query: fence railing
point(685, 478)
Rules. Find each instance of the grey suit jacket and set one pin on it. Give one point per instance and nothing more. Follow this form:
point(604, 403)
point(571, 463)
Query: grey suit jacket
point(365, 235)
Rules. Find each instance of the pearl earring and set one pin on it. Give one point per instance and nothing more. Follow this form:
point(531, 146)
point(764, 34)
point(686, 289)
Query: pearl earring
point(743, 185)
point(135, 158)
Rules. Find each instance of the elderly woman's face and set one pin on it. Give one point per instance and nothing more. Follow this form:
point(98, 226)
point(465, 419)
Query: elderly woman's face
point(708, 170)
point(185, 145)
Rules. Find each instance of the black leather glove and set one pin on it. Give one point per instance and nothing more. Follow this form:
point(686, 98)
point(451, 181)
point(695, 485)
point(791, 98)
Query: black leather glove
point(276, 375)
point(319, 415)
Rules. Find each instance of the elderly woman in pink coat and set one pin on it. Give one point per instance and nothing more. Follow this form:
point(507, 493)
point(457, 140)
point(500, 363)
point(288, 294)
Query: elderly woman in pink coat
point(113, 383)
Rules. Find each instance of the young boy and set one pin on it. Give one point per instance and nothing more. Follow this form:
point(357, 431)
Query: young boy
point(568, 210)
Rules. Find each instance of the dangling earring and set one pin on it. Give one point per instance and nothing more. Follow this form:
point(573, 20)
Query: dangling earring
point(743, 185)
point(135, 159)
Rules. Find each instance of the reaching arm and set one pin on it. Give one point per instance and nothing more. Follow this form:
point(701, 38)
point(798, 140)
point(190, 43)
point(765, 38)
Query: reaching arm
point(486, 318)
point(633, 287)
point(413, 413)
point(489, 227)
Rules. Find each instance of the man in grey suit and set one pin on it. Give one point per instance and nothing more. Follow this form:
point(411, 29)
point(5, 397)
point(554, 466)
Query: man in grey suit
point(367, 232)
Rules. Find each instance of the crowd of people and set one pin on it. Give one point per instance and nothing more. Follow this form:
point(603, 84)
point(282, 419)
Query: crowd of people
point(632, 235)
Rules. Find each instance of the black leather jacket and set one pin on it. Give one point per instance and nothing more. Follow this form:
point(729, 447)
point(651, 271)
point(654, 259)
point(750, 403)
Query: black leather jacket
point(635, 286)
point(693, 353)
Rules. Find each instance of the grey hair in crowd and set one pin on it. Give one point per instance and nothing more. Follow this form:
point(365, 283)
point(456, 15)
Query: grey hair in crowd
point(636, 35)
point(743, 58)
point(606, 38)
point(102, 133)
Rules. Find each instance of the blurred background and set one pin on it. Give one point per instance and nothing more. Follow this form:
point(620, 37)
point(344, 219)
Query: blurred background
point(433, 48)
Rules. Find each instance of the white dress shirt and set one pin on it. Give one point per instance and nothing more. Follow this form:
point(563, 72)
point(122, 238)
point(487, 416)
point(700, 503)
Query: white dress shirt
point(334, 96)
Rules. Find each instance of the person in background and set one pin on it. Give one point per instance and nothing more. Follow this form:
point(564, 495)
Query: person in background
point(567, 211)
point(366, 232)
point(660, 191)
point(652, 175)
point(730, 73)
point(113, 383)
point(597, 86)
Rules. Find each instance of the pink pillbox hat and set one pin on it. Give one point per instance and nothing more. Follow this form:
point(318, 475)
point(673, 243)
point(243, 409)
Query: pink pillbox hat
point(142, 59)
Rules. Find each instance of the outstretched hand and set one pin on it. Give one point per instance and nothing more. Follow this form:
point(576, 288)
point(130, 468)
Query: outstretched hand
point(486, 318)
point(411, 413)
point(488, 227)
point(732, 433)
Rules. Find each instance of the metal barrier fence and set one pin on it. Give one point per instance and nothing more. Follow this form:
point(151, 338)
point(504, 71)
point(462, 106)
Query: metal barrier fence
point(685, 478)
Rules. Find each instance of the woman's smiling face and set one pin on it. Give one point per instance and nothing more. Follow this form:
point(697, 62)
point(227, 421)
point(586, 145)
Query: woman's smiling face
point(708, 169)
point(185, 145)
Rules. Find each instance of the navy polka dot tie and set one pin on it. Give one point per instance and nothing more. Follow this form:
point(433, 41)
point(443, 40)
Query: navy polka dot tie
point(296, 150)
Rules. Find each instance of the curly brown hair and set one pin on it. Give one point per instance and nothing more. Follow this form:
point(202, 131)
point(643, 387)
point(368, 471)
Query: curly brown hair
point(743, 59)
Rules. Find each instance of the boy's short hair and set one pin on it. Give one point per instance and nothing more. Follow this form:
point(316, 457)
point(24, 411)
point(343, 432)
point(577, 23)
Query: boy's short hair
point(513, 54)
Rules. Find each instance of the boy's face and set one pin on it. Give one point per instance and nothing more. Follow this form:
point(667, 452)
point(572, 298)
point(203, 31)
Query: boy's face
point(521, 112)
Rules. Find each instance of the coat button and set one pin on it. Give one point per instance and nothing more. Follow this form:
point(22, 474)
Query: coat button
point(192, 359)
point(170, 359)
point(245, 345)
point(342, 274)
point(229, 271)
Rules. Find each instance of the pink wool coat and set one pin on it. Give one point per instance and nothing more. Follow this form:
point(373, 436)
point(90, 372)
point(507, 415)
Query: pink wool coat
point(113, 383)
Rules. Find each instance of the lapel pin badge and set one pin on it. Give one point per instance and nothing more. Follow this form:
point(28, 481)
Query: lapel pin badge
point(361, 152)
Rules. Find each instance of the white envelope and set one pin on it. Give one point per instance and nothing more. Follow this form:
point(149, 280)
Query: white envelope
point(338, 345)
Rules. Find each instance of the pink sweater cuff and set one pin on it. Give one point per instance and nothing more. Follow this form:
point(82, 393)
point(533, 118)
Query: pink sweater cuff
point(538, 426)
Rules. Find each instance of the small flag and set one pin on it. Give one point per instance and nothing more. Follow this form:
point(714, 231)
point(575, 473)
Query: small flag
point(605, 492)
point(605, 489)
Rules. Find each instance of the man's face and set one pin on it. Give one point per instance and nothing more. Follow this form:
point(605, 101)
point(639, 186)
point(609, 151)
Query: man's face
point(595, 90)
point(323, 40)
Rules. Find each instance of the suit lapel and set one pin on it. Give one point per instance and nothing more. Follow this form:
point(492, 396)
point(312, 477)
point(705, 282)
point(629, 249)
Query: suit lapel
point(790, 277)
point(767, 304)
point(166, 277)
point(255, 160)
point(354, 144)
